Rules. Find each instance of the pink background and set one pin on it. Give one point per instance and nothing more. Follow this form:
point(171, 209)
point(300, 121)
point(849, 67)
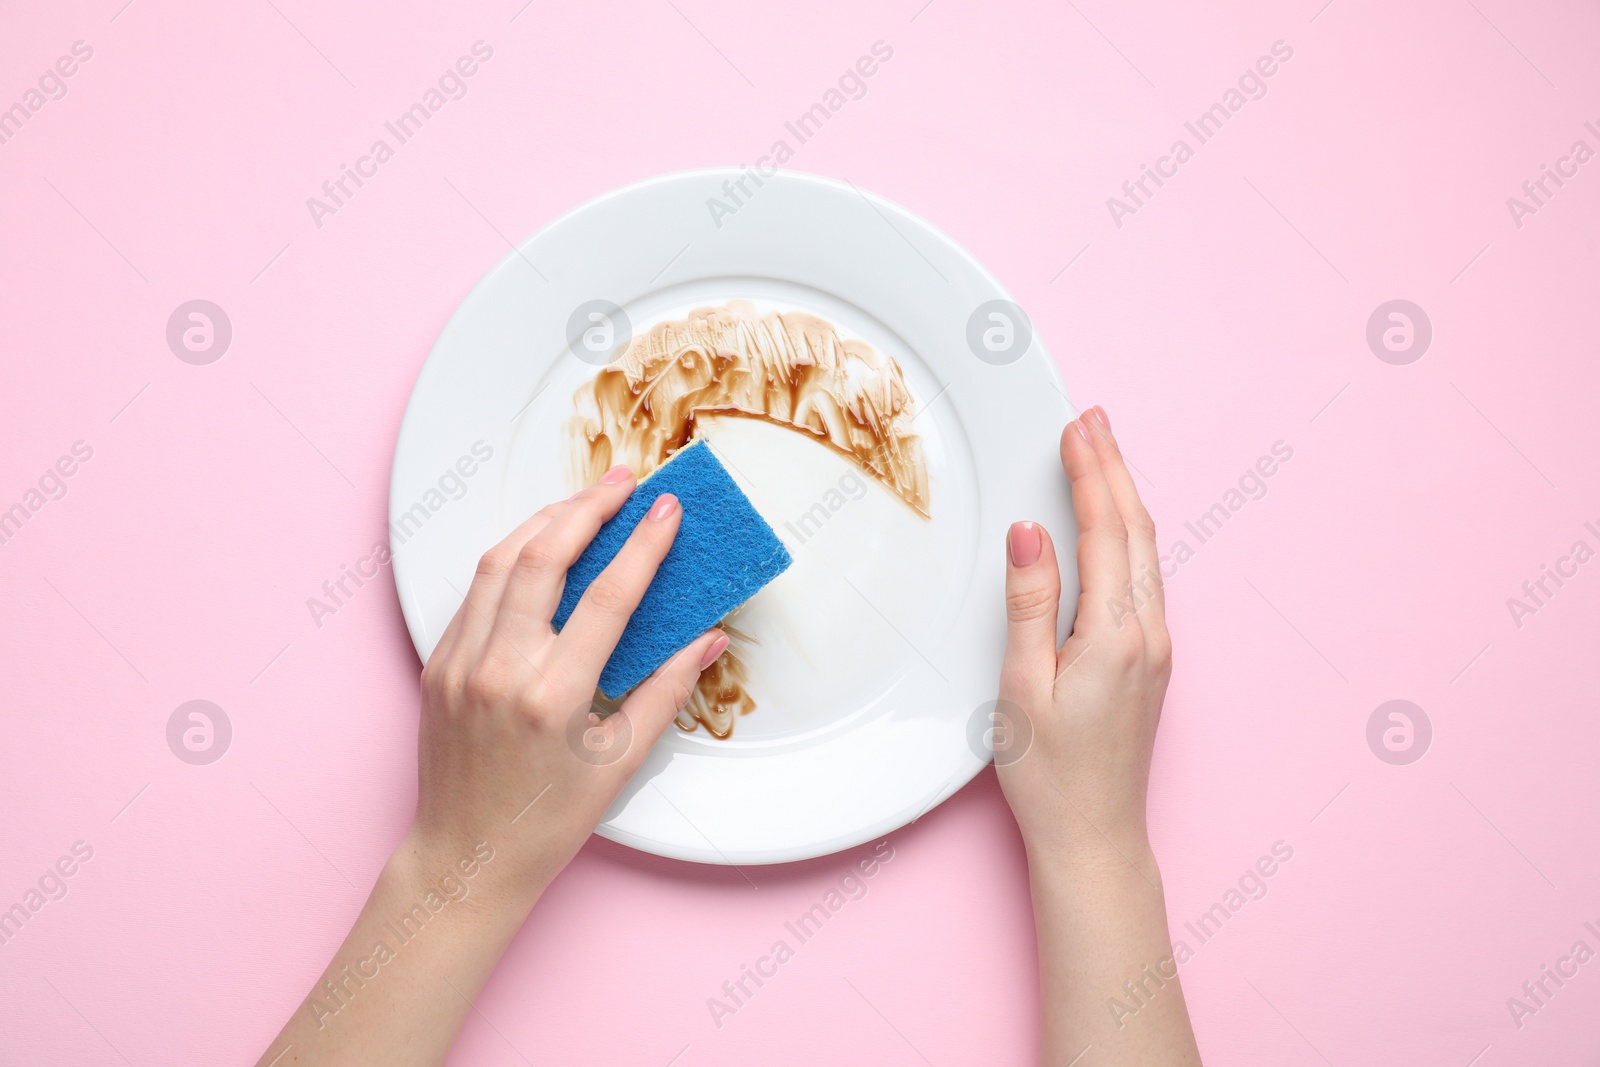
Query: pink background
point(1224, 316)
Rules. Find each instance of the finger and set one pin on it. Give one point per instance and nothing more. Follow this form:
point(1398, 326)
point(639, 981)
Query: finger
point(1102, 537)
point(1145, 595)
point(591, 633)
point(469, 627)
point(656, 701)
point(1033, 599)
point(539, 572)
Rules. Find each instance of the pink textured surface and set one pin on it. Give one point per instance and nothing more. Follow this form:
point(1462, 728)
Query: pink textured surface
point(1226, 314)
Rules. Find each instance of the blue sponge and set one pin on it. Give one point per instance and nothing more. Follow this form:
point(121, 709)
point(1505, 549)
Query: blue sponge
point(723, 555)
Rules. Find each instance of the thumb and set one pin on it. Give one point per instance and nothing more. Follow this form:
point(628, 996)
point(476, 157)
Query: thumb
point(658, 699)
point(1033, 597)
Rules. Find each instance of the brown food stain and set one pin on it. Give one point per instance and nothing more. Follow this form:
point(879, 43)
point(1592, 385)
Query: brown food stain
point(788, 368)
point(720, 696)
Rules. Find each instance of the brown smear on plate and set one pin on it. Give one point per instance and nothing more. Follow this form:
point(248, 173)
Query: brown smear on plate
point(788, 368)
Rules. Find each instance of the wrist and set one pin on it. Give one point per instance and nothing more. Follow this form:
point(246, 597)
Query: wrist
point(470, 880)
point(1112, 854)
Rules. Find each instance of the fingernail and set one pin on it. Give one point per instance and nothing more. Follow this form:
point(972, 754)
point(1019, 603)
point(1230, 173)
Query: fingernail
point(718, 646)
point(1100, 416)
point(665, 504)
point(620, 473)
point(1025, 544)
point(1083, 430)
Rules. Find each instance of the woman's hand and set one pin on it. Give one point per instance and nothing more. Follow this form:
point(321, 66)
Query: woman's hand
point(514, 772)
point(510, 750)
point(1090, 707)
point(1073, 758)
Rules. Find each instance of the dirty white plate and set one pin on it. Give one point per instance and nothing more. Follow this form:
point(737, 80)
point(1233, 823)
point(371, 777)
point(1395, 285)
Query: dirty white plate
point(880, 648)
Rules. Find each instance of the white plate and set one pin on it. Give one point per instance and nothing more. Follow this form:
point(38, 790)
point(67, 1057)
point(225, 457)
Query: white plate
point(880, 647)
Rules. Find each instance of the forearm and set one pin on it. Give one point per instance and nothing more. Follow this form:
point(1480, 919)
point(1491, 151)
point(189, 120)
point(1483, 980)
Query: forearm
point(403, 981)
point(506, 795)
point(1107, 976)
